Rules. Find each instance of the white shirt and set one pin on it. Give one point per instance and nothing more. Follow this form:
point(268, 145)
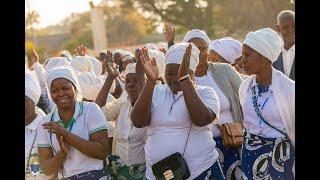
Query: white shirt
point(225, 115)
point(88, 119)
point(128, 141)
point(288, 58)
point(269, 111)
point(169, 127)
point(31, 147)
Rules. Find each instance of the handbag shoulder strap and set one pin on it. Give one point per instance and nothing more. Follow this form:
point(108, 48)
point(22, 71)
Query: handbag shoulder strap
point(258, 112)
point(185, 146)
point(34, 139)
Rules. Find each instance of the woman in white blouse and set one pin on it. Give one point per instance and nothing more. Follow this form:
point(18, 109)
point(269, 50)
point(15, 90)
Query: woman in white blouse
point(268, 102)
point(33, 116)
point(178, 115)
point(225, 81)
point(128, 159)
point(73, 138)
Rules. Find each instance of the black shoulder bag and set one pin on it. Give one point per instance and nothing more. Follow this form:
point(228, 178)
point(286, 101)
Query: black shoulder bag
point(173, 166)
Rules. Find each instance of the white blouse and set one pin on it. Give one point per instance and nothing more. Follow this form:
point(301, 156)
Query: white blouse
point(31, 147)
point(269, 111)
point(128, 141)
point(225, 112)
point(88, 119)
point(169, 126)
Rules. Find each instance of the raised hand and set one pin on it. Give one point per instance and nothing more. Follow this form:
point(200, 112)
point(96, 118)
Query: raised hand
point(184, 66)
point(113, 72)
point(149, 65)
point(81, 50)
point(139, 66)
point(34, 56)
point(163, 50)
point(168, 32)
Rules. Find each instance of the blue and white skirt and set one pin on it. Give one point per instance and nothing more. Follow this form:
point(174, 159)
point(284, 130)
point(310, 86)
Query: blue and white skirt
point(229, 159)
point(214, 172)
point(267, 158)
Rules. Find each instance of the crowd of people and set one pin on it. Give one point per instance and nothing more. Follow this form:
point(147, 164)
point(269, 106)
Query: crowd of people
point(199, 109)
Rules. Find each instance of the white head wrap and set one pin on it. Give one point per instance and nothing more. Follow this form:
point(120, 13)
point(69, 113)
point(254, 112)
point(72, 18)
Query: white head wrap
point(196, 33)
point(67, 73)
point(32, 87)
point(126, 55)
point(97, 66)
point(228, 48)
point(131, 68)
point(82, 64)
point(151, 46)
point(66, 54)
point(266, 42)
point(90, 85)
point(159, 56)
point(176, 52)
point(56, 62)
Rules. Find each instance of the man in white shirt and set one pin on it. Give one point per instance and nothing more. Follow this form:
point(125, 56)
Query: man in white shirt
point(286, 27)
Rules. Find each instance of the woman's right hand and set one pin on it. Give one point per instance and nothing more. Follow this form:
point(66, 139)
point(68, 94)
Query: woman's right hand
point(112, 72)
point(149, 65)
point(65, 147)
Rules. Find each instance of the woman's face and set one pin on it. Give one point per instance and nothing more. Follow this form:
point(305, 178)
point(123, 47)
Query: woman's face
point(215, 57)
point(203, 47)
point(252, 61)
point(171, 77)
point(132, 86)
point(29, 107)
point(63, 93)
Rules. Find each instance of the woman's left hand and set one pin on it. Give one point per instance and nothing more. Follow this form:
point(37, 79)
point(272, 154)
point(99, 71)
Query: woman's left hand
point(184, 66)
point(55, 128)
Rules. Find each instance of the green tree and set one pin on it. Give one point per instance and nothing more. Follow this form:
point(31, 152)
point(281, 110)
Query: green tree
point(187, 14)
point(31, 20)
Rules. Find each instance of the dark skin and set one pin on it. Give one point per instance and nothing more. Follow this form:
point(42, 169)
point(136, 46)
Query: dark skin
point(286, 27)
point(199, 113)
point(64, 93)
point(203, 65)
point(117, 58)
point(29, 111)
point(255, 63)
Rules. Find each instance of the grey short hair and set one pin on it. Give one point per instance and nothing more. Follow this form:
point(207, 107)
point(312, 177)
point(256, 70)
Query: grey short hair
point(286, 14)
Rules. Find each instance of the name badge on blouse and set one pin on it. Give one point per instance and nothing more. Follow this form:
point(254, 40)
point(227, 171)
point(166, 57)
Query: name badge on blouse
point(34, 164)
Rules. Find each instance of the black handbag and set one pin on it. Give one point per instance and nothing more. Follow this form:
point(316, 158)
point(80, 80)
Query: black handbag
point(172, 167)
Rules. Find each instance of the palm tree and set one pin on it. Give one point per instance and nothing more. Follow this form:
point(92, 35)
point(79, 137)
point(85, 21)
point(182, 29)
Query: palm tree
point(31, 20)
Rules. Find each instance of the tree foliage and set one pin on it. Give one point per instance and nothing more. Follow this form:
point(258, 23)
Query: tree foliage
point(216, 17)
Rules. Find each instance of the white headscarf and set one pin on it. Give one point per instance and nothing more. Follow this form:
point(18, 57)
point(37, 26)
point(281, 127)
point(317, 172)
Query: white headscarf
point(196, 33)
point(32, 87)
point(228, 48)
point(266, 42)
point(66, 54)
point(90, 85)
point(67, 73)
point(82, 64)
point(131, 68)
point(159, 56)
point(97, 66)
point(56, 62)
point(176, 52)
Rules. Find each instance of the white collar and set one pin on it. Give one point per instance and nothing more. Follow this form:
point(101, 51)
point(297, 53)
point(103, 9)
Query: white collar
point(293, 48)
point(56, 117)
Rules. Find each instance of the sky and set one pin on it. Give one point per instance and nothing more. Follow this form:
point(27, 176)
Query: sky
point(53, 11)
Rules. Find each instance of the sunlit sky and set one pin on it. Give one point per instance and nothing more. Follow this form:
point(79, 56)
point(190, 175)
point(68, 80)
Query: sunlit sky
point(53, 11)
